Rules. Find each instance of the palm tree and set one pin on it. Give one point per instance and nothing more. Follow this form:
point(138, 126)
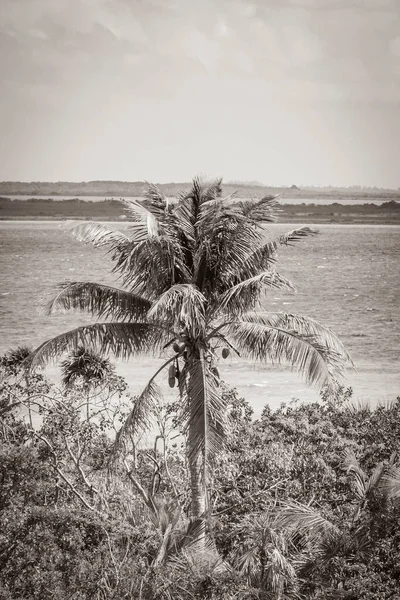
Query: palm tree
point(194, 273)
point(87, 366)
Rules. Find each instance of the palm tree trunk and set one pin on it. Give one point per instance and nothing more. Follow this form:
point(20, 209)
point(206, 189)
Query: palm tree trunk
point(197, 489)
point(198, 495)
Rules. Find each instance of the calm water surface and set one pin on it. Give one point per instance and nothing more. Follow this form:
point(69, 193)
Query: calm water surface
point(347, 277)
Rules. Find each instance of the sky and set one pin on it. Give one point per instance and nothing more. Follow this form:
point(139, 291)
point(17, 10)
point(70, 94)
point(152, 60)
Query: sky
point(283, 92)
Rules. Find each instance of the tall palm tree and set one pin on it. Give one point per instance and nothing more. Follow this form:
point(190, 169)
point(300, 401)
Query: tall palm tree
point(194, 273)
point(82, 364)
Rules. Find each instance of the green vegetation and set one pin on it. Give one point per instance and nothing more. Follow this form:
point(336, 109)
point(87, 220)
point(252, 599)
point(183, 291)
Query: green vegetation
point(112, 210)
point(302, 503)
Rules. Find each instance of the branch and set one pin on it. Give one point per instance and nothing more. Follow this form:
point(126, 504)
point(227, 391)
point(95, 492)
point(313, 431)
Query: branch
point(63, 476)
point(145, 497)
point(75, 460)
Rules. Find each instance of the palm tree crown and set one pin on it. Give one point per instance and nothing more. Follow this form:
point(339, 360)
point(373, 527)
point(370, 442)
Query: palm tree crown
point(194, 273)
point(87, 366)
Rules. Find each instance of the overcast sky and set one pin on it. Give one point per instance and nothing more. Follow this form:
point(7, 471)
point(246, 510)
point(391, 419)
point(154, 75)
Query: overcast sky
point(278, 91)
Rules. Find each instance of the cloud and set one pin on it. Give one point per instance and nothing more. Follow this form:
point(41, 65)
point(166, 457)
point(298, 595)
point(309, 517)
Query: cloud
point(346, 43)
point(143, 73)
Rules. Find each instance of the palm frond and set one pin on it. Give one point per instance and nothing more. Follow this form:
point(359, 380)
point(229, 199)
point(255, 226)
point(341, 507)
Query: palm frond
point(140, 418)
point(211, 189)
point(89, 366)
point(295, 235)
point(391, 482)
point(301, 325)
point(266, 252)
point(374, 482)
point(15, 357)
point(305, 519)
point(352, 466)
point(279, 572)
point(259, 211)
point(144, 224)
point(121, 339)
point(99, 300)
point(183, 213)
point(249, 563)
point(99, 234)
point(205, 414)
point(152, 266)
point(181, 305)
point(246, 294)
point(316, 362)
point(156, 198)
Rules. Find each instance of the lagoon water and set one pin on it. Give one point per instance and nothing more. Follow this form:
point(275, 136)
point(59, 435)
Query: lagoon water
point(347, 277)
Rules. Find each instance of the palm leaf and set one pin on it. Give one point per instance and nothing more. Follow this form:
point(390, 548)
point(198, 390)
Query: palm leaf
point(205, 413)
point(259, 211)
point(295, 235)
point(318, 363)
point(140, 418)
point(121, 339)
point(305, 519)
point(99, 234)
point(301, 325)
point(86, 365)
point(99, 300)
point(151, 267)
point(156, 199)
point(183, 306)
point(391, 482)
point(246, 294)
point(374, 482)
point(352, 466)
point(143, 224)
point(262, 256)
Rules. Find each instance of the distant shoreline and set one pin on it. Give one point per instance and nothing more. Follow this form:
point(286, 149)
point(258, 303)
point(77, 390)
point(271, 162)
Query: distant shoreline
point(48, 209)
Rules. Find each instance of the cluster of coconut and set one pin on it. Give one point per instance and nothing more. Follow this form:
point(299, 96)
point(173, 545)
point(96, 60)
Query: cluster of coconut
point(173, 371)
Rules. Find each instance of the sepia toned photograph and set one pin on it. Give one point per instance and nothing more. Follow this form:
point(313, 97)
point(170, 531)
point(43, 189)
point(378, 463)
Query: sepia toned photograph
point(199, 299)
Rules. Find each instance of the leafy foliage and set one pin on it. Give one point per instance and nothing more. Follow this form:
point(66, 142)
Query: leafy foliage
point(297, 507)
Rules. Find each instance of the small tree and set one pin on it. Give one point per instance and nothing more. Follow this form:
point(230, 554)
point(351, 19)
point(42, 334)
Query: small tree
point(88, 367)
